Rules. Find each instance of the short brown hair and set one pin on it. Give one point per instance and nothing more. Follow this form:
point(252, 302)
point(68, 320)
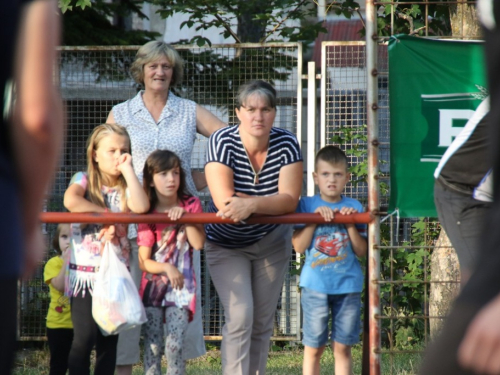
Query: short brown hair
point(152, 51)
point(259, 87)
point(332, 155)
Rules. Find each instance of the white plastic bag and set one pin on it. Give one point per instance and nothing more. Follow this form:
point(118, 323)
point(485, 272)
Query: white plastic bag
point(116, 305)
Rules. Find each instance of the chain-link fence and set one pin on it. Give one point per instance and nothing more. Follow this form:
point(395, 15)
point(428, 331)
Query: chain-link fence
point(94, 79)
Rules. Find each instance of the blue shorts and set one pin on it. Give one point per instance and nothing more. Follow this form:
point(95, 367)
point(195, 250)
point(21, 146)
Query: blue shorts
point(346, 318)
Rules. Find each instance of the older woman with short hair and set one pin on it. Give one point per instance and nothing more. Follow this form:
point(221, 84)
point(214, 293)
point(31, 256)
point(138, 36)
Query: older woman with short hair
point(157, 119)
point(252, 168)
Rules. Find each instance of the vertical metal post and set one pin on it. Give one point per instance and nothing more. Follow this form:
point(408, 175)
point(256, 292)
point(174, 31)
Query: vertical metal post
point(373, 186)
point(323, 96)
point(311, 124)
point(300, 104)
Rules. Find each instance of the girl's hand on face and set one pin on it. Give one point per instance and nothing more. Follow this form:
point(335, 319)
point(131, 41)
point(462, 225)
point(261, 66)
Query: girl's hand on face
point(66, 254)
point(236, 209)
point(326, 212)
point(175, 213)
point(176, 278)
point(124, 161)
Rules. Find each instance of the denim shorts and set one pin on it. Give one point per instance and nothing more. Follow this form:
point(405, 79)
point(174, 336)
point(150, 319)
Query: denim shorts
point(345, 312)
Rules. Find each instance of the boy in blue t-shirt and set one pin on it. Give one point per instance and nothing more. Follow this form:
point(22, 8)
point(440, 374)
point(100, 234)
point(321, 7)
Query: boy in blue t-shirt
point(331, 279)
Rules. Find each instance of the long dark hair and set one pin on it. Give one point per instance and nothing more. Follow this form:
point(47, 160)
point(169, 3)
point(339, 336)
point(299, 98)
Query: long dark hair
point(159, 161)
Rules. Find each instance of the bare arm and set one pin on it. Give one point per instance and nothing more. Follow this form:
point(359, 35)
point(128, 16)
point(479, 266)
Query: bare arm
point(302, 238)
point(220, 183)
point(75, 201)
point(196, 235)
point(111, 118)
point(38, 125)
point(149, 265)
point(137, 201)
point(59, 281)
point(195, 232)
point(358, 242)
point(207, 122)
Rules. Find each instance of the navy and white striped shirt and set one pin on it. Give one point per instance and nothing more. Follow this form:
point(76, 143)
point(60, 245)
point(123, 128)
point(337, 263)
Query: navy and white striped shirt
point(225, 146)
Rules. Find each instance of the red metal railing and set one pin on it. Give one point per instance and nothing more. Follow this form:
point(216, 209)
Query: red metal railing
point(201, 218)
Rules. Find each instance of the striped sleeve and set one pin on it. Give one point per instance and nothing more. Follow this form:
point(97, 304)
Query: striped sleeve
point(289, 147)
point(219, 147)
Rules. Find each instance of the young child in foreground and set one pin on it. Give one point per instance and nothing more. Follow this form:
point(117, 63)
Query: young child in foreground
point(331, 279)
point(59, 325)
point(167, 250)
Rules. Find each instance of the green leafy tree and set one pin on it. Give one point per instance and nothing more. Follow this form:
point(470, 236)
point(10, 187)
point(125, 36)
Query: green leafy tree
point(444, 18)
point(255, 21)
point(102, 23)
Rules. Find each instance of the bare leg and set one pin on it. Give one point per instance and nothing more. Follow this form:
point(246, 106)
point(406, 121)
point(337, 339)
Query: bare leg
point(343, 358)
point(310, 366)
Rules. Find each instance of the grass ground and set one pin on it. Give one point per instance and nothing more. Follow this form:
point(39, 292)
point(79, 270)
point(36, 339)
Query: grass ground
point(288, 361)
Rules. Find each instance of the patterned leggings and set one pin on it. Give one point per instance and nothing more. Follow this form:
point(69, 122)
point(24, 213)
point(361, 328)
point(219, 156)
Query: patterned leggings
point(176, 324)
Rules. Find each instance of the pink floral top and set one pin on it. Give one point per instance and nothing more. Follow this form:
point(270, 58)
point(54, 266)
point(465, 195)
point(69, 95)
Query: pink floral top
point(173, 247)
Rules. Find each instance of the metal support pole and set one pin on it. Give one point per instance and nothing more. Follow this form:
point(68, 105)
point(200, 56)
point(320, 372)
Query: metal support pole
point(311, 124)
point(323, 97)
point(373, 186)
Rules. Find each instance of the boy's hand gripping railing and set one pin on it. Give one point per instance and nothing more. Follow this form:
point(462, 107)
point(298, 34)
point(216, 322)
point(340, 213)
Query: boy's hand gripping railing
point(200, 218)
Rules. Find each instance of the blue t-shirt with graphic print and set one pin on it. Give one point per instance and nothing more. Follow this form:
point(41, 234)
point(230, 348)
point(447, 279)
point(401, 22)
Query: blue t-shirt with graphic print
point(331, 267)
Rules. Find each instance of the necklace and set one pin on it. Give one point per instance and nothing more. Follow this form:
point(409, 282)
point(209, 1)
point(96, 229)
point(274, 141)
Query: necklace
point(255, 173)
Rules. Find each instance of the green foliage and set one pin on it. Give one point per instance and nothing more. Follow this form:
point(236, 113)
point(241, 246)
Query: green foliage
point(89, 23)
point(220, 70)
point(404, 297)
point(98, 30)
point(407, 19)
point(247, 21)
point(354, 141)
point(69, 4)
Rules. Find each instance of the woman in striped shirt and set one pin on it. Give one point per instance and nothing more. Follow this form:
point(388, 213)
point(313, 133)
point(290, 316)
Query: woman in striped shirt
point(252, 168)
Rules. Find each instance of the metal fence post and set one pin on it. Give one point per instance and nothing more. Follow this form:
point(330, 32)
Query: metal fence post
point(311, 124)
point(373, 186)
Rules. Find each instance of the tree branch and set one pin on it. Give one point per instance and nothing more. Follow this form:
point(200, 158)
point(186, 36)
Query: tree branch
point(360, 17)
point(224, 23)
point(417, 30)
point(283, 20)
point(407, 18)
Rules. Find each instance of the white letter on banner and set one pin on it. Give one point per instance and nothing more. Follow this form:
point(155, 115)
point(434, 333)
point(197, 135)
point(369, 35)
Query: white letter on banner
point(447, 132)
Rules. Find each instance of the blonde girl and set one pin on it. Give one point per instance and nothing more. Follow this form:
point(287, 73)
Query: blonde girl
point(109, 184)
point(59, 325)
point(165, 185)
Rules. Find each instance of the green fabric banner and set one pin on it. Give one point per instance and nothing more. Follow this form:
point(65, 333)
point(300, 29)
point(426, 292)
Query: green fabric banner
point(434, 87)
